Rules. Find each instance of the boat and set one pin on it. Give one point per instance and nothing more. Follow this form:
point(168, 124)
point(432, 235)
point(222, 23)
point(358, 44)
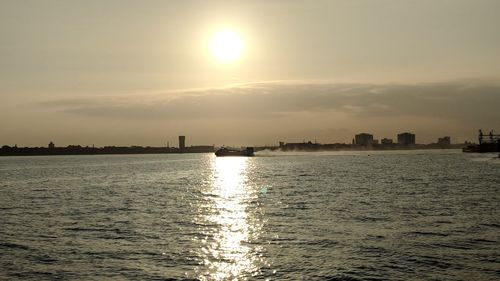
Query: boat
point(487, 143)
point(248, 152)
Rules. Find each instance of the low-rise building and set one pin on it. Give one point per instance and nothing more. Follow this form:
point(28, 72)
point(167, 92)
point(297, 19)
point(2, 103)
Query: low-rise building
point(386, 141)
point(444, 141)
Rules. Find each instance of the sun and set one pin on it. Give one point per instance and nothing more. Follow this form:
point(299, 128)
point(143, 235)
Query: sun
point(226, 46)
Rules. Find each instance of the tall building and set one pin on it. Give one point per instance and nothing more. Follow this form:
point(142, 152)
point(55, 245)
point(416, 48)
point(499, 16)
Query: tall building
point(406, 139)
point(52, 145)
point(364, 139)
point(182, 142)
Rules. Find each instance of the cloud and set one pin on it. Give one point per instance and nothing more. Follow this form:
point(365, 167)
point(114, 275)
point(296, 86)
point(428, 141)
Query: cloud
point(460, 100)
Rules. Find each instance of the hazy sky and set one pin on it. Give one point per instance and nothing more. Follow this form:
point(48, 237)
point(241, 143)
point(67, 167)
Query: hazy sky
point(140, 72)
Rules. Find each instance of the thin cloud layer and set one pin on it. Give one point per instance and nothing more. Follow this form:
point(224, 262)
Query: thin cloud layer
point(471, 101)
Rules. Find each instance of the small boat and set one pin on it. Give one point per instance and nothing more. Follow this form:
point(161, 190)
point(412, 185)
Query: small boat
point(248, 152)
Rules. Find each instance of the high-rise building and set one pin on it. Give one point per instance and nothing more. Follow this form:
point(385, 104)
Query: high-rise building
point(406, 139)
point(182, 142)
point(364, 139)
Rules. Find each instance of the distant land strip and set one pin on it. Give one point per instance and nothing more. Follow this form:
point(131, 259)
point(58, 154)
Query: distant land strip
point(305, 147)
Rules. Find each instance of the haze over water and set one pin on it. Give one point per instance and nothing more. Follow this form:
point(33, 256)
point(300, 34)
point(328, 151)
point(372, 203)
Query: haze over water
point(413, 215)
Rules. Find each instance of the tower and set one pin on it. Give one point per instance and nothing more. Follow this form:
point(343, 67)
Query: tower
point(182, 142)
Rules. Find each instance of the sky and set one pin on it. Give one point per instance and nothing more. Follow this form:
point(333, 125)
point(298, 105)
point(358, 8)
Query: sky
point(141, 72)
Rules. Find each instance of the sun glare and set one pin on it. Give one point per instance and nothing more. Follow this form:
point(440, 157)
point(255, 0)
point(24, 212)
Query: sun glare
point(226, 46)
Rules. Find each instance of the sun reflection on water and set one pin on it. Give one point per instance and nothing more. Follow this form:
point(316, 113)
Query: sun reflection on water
point(230, 227)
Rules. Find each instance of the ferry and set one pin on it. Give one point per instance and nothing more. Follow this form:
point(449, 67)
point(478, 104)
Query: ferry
point(487, 143)
point(248, 152)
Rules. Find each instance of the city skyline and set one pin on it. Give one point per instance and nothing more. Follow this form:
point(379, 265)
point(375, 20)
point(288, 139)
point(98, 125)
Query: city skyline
point(359, 139)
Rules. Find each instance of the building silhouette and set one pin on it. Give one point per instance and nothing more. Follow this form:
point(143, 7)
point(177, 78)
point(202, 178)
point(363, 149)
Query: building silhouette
point(363, 139)
point(182, 142)
point(304, 146)
point(444, 141)
point(406, 139)
point(386, 141)
point(52, 145)
point(193, 148)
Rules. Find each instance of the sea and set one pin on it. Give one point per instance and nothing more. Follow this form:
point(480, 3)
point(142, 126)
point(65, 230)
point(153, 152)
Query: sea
point(371, 215)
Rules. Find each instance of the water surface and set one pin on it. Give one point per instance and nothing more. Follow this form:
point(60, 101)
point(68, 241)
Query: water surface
point(407, 215)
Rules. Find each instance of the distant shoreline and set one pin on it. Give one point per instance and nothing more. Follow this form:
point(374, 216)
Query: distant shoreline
point(115, 150)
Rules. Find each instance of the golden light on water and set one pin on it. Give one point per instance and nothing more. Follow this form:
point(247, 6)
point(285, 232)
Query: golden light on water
point(226, 253)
